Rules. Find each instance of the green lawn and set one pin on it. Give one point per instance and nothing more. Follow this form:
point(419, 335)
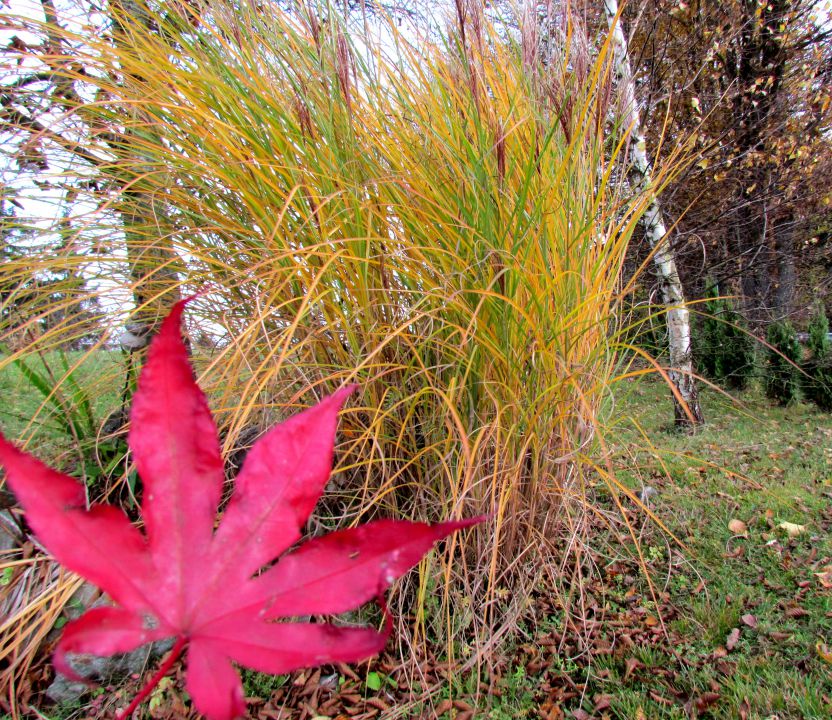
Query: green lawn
point(741, 622)
point(91, 387)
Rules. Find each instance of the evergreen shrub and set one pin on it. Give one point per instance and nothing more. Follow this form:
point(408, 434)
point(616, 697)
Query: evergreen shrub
point(819, 333)
point(817, 378)
point(817, 383)
point(723, 348)
point(782, 376)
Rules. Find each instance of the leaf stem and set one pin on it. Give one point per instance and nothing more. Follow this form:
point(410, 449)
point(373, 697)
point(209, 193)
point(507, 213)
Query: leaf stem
point(175, 652)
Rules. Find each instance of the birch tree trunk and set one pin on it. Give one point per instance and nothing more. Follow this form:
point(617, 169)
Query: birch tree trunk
point(687, 413)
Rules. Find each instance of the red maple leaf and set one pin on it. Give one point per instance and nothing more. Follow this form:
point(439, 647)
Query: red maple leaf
point(180, 578)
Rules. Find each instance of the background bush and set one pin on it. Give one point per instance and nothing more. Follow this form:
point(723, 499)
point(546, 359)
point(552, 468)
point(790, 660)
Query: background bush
point(818, 342)
point(723, 347)
point(817, 378)
point(782, 376)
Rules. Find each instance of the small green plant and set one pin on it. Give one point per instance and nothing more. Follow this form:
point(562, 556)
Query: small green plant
point(782, 376)
point(68, 401)
point(375, 681)
point(61, 389)
point(263, 685)
point(517, 697)
point(655, 553)
point(723, 347)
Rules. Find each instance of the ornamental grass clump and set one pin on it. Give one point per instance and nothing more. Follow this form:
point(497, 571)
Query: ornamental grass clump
point(442, 221)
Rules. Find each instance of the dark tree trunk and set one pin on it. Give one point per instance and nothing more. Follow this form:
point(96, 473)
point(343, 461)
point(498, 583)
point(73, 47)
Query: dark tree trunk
point(786, 271)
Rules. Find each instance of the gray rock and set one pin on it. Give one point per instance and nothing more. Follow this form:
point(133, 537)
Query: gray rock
point(103, 670)
point(135, 337)
point(647, 493)
point(63, 690)
point(100, 670)
point(129, 341)
point(8, 531)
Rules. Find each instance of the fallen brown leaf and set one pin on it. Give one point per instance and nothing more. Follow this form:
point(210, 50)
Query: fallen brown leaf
point(378, 703)
point(738, 553)
point(745, 709)
point(732, 639)
point(661, 699)
point(750, 621)
point(551, 712)
point(792, 529)
point(705, 700)
point(738, 527)
point(347, 670)
point(726, 667)
point(602, 702)
point(631, 666)
point(825, 577)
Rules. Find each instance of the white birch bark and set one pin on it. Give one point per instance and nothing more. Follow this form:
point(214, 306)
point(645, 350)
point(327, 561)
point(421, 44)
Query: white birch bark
point(678, 317)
